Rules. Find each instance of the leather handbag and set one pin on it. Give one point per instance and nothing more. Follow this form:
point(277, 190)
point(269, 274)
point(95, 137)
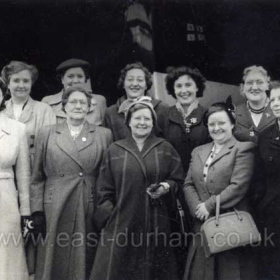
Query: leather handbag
point(228, 231)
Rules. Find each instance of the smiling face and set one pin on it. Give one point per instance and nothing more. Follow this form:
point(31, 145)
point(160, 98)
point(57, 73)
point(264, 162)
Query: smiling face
point(76, 107)
point(185, 90)
point(20, 84)
point(255, 86)
point(275, 102)
point(135, 83)
point(141, 123)
point(220, 127)
point(73, 76)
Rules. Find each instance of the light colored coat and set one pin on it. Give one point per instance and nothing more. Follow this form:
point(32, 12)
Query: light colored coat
point(229, 175)
point(34, 115)
point(63, 186)
point(96, 112)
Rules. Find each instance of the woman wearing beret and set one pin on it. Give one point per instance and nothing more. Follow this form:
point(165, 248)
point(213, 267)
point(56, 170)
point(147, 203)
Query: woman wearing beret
point(185, 129)
point(14, 194)
point(223, 167)
point(267, 192)
point(73, 72)
point(137, 182)
point(255, 115)
point(63, 187)
point(135, 80)
point(20, 77)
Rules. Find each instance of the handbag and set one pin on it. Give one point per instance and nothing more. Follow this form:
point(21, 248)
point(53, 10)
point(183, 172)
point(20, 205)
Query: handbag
point(228, 231)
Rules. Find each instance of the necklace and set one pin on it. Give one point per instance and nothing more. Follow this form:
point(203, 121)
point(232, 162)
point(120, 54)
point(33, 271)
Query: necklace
point(256, 111)
point(75, 132)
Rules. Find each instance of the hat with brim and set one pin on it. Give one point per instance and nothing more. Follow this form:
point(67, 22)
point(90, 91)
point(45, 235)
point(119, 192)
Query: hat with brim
point(71, 63)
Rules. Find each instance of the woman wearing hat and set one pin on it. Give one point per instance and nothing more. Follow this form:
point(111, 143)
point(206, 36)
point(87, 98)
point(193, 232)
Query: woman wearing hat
point(137, 182)
point(255, 115)
point(135, 80)
point(63, 190)
point(74, 72)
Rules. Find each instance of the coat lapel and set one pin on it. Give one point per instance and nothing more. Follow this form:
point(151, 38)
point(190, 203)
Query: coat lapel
point(85, 138)
point(275, 135)
point(4, 129)
point(244, 117)
point(205, 152)
point(267, 118)
point(225, 150)
point(66, 143)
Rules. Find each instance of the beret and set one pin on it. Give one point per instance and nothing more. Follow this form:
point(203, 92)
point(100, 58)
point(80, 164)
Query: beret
point(71, 63)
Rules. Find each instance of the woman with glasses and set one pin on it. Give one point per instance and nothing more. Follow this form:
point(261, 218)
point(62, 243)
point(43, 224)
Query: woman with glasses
point(63, 186)
point(255, 115)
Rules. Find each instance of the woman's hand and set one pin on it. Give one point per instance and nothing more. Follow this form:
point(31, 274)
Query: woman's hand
point(201, 212)
point(161, 190)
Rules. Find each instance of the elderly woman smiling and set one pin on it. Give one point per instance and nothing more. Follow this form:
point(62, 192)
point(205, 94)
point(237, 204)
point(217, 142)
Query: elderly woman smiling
point(137, 182)
point(63, 186)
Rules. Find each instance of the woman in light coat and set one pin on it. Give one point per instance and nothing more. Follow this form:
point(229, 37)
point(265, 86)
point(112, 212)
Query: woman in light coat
point(63, 190)
point(223, 167)
point(14, 194)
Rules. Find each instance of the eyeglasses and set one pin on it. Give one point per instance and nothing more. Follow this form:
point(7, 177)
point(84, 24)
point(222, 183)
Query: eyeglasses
point(76, 102)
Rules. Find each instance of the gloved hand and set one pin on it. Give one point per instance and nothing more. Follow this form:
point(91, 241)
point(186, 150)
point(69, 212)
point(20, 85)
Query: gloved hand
point(26, 225)
point(39, 223)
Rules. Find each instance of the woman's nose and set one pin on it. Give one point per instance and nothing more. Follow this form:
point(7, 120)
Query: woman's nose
point(254, 85)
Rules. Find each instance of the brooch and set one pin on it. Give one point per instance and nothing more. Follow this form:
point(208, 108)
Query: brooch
point(267, 115)
point(277, 138)
point(252, 133)
point(193, 120)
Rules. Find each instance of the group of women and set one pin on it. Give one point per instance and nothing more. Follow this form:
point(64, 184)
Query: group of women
point(97, 187)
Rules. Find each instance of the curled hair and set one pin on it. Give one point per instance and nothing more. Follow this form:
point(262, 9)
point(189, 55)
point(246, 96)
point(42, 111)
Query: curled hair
point(66, 94)
point(3, 88)
point(253, 68)
point(135, 65)
point(174, 73)
point(220, 107)
point(137, 107)
point(273, 85)
point(15, 67)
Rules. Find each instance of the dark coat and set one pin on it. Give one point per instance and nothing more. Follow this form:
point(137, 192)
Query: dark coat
point(115, 120)
point(229, 175)
point(63, 186)
point(266, 187)
point(245, 129)
point(184, 142)
point(126, 249)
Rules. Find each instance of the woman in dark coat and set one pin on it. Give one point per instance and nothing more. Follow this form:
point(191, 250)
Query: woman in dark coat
point(63, 186)
point(267, 191)
point(255, 115)
point(136, 80)
point(185, 129)
point(223, 167)
point(136, 241)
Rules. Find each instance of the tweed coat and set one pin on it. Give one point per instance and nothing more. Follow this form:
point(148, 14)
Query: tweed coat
point(96, 112)
point(115, 120)
point(34, 115)
point(267, 197)
point(229, 175)
point(245, 129)
point(184, 142)
point(63, 185)
point(14, 197)
point(126, 249)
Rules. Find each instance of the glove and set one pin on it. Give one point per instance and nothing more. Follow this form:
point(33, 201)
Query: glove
point(26, 225)
point(39, 223)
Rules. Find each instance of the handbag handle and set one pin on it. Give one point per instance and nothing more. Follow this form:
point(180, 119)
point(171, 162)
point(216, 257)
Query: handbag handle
point(218, 202)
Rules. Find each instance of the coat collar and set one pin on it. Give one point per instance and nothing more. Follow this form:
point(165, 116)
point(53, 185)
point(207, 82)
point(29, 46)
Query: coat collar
point(196, 114)
point(66, 143)
point(244, 117)
point(129, 145)
point(206, 149)
point(274, 134)
point(4, 127)
point(27, 111)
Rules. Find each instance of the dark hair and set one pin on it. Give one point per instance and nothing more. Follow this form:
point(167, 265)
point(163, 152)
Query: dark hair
point(174, 73)
point(15, 67)
point(273, 85)
point(137, 107)
point(136, 65)
point(66, 94)
point(219, 107)
point(85, 69)
point(3, 88)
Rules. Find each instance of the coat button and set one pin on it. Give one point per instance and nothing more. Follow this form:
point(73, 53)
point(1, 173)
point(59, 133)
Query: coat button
point(81, 174)
point(270, 158)
point(61, 175)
